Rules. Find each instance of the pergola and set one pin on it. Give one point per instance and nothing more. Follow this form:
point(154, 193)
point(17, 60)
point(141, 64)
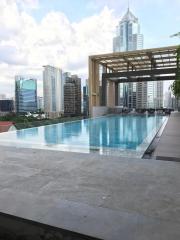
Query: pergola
point(133, 66)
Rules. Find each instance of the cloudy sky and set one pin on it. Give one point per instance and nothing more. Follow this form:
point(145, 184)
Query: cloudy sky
point(63, 33)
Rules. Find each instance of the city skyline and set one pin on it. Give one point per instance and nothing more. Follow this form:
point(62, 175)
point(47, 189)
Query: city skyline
point(31, 36)
point(142, 94)
point(129, 38)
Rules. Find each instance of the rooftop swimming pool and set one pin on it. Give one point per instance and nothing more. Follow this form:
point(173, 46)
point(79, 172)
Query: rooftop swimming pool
point(110, 135)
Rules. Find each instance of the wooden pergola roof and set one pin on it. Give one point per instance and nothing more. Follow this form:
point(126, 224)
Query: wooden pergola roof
point(145, 59)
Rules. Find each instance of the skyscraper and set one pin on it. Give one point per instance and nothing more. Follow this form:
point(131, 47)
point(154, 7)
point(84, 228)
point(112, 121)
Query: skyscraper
point(40, 103)
point(128, 38)
point(72, 95)
point(25, 94)
point(141, 94)
point(53, 91)
point(168, 99)
point(85, 99)
point(155, 94)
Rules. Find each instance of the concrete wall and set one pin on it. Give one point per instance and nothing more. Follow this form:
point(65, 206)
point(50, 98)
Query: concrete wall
point(99, 111)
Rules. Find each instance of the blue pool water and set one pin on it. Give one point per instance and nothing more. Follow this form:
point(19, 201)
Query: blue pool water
point(115, 132)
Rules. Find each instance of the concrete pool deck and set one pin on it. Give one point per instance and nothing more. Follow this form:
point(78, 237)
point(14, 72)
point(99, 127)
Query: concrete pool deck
point(99, 196)
point(168, 147)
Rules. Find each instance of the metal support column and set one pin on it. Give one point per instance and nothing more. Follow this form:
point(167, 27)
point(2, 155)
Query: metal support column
point(116, 93)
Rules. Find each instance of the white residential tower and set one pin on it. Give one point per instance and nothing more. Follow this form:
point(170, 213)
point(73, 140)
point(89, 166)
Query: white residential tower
point(53, 88)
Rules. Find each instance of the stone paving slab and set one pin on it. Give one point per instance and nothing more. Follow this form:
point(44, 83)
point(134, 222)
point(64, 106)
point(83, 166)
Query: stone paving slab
point(99, 196)
point(169, 144)
point(103, 223)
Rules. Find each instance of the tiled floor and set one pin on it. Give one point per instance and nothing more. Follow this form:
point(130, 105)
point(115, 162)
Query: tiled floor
point(101, 196)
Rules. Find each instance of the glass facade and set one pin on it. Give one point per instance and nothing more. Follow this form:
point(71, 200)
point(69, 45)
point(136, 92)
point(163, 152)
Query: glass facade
point(128, 36)
point(25, 94)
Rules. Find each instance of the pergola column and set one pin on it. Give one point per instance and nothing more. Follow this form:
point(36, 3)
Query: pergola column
point(111, 94)
point(116, 94)
point(104, 92)
point(93, 84)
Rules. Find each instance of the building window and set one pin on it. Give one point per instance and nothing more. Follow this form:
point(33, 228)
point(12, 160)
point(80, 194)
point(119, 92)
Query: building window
point(53, 93)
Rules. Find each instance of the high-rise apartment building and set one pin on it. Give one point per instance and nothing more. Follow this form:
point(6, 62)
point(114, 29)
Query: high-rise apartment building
point(40, 103)
point(155, 94)
point(53, 91)
point(85, 99)
point(171, 101)
point(141, 94)
point(72, 95)
point(25, 94)
point(168, 100)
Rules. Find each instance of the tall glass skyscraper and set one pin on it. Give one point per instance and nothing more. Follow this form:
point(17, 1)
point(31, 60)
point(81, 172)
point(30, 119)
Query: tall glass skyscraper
point(128, 38)
point(141, 94)
point(25, 94)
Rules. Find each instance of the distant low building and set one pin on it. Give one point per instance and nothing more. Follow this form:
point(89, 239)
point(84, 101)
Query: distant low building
point(6, 106)
point(6, 126)
point(72, 95)
point(2, 96)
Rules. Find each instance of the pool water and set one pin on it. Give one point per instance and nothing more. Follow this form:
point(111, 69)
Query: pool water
point(108, 134)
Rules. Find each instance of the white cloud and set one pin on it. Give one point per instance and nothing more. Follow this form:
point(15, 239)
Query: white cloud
point(26, 45)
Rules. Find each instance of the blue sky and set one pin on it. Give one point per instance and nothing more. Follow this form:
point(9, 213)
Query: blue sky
point(64, 33)
point(159, 19)
point(74, 10)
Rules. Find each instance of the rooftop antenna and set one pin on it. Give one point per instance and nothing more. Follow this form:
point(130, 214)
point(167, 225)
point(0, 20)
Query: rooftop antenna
point(128, 5)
